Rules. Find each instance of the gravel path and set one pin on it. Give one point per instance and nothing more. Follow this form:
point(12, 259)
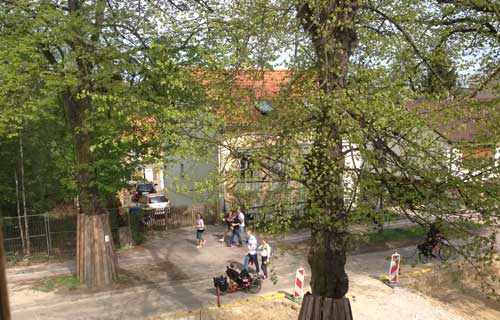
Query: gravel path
point(178, 277)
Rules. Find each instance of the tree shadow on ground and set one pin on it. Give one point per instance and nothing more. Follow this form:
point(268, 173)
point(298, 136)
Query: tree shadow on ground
point(192, 241)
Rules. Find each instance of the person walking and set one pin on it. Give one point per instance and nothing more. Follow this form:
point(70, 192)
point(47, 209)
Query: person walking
point(236, 232)
point(200, 228)
point(241, 218)
point(252, 252)
point(229, 226)
point(265, 254)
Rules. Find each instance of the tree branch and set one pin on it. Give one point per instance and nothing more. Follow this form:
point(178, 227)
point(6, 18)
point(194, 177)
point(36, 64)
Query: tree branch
point(100, 8)
point(409, 40)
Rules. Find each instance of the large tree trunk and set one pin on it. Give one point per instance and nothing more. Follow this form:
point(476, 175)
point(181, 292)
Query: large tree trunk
point(327, 258)
point(329, 231)
point(330, 25)
point(4, 296)
point(96, 260)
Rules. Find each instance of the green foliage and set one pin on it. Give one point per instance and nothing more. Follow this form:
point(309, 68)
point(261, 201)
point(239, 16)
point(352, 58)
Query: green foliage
point(48, 166)
point(396, 234)
point(136, 227)
point(359, 116)
point(64, 283)
point(140, 97)
point(443, 76)
point(360, 124)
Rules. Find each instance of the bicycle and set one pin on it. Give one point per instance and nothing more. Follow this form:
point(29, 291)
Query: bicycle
point(425, 250)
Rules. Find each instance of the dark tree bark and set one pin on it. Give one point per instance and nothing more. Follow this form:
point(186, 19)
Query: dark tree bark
point(4, 295)
point(96, 261)
point(330, 25)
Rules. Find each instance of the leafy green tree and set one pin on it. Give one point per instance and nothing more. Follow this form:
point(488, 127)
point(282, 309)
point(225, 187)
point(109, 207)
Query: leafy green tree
point(344, 98)
point(117, 77)
point(446, 76)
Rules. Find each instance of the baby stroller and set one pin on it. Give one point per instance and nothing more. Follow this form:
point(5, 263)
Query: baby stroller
point(237, 281)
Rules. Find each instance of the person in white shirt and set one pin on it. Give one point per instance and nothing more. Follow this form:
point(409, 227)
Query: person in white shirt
point(200, 227)
point(241, 218)
point(252, 252)
point(265, 254)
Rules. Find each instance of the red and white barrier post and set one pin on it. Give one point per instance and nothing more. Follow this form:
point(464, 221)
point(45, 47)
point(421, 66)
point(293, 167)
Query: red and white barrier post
point(299, 283)
point(394, 268)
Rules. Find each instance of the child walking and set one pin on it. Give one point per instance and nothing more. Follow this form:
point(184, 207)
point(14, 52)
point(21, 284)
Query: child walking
point(200, 227)
point(265, 254)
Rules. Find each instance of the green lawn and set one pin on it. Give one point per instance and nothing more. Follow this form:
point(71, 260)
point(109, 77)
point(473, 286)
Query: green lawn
point(64, 282)
point(395, 235)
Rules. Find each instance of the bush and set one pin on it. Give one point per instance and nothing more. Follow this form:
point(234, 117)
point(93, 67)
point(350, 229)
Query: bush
point(136, 226)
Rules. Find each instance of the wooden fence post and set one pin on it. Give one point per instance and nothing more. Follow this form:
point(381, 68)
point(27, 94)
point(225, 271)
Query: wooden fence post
point(4, 295)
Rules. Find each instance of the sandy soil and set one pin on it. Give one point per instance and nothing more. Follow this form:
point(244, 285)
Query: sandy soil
point(282, 309)
point(460, 289)
point(369, 298)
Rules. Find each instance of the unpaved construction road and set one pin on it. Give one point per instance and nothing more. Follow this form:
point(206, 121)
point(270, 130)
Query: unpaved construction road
point(170, 274)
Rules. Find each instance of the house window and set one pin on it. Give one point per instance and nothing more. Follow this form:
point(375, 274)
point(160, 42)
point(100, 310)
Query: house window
point(246, 170)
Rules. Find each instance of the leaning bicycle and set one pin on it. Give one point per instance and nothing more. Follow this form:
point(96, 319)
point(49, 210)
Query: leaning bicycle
point(437, 248)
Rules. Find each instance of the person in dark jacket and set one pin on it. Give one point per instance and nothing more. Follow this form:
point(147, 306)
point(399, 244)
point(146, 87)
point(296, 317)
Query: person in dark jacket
point(236, 232)
point(229, 226)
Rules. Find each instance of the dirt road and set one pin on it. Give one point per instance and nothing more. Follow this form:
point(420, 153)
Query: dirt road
point(170, 274)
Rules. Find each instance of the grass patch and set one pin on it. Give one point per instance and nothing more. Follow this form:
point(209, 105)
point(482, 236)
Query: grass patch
point(411, 233)
point(122, 250)
point(368, 241)
point(395, 235)
point(20, 260)
point(64, 282)
point(387, 239)
point(461, 229)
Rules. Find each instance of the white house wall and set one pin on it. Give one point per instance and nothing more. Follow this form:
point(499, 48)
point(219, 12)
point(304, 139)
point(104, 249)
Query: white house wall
point(245, 144)
point(183, 177)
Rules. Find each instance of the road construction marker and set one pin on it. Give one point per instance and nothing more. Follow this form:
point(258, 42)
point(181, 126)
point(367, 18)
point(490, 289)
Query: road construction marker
point(394, 267)
point(299, 283)
point(408, 274)
point(183, 314)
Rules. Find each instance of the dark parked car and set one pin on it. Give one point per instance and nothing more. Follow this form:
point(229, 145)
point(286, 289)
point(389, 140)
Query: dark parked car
point(142, 189)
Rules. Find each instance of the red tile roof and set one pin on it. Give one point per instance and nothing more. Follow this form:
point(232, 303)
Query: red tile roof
point(458, 120)
point(240, 89)
point(234, 93)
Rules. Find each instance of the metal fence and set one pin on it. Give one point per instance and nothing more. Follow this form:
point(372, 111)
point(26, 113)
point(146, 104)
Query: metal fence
point(167, 218)
point(45, 235)
point(299, 211)
point(37, 240)
point(56, 235)
point(263, 214)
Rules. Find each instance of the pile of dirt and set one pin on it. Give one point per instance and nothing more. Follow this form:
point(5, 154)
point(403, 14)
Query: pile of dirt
point(462, 289)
